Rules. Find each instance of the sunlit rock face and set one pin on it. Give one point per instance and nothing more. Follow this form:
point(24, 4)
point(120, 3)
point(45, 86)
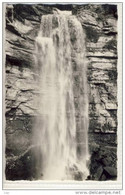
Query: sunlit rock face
point(99, 24)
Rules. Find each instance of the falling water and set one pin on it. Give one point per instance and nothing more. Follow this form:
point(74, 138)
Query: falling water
point(55, 128)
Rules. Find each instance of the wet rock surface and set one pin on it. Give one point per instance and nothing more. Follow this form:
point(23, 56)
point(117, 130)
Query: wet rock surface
point(103, 164)
point(100, 25)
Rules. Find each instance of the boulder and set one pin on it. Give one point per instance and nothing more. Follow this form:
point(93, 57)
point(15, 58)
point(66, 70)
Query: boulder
point(98, 173)
point(111, 171)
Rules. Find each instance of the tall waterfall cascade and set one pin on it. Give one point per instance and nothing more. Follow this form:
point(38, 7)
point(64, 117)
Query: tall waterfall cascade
point(59, 45)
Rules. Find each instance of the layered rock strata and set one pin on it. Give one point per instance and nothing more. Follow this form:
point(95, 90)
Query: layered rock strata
point(100, 25)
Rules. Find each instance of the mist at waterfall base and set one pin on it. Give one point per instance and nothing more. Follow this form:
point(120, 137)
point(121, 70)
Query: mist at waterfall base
point(60, 156)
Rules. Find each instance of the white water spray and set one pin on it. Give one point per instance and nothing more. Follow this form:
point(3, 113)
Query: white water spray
point(55, 128)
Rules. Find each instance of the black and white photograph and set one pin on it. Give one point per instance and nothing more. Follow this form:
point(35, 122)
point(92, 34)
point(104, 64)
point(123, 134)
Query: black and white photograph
point(62, 100)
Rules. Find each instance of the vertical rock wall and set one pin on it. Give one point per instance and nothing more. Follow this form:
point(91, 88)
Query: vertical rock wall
point(22, 25)
point(100, 25)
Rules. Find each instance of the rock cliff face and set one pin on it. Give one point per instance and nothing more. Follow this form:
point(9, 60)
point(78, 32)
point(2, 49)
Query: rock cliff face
point(101, 44)
point(100, 24)
point(22, 25)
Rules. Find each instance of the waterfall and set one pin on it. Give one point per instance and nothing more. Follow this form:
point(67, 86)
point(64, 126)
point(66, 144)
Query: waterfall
point(60, 39)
